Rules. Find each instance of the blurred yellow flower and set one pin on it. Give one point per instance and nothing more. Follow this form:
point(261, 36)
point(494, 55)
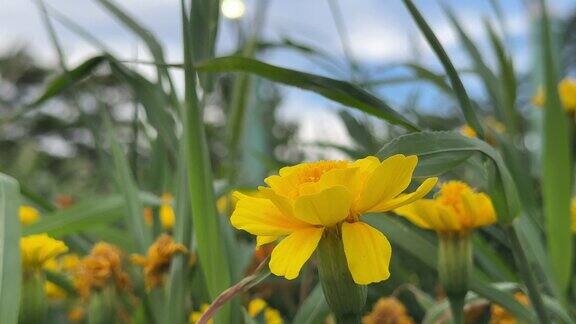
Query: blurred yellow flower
point(53, 291)
point(499, 315)
point(28, 215)
point(167, 217)
point(272, 316)
point(566, 91)
point(468, 131)
point(305, 199)
point(157, 261)
point(388, 310)
point(37, 250)
point(101, 267)
point(195, 316)
point(456, 209)
point(256, 306)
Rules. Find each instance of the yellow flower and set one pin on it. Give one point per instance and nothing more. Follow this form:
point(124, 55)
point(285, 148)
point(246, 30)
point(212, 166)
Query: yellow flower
point(272, 316)
point(305, 199)
point(101, 267)
point(28, 215)
point(157, 261)
point(195, 316)
point(37, 250)
point(229, 200)
point(53, 291)
point(566, 91)
point(388, 310)
point(167, 217)
point(468, 131)
point(456, 209)
point(256, 306)
point(499, 315)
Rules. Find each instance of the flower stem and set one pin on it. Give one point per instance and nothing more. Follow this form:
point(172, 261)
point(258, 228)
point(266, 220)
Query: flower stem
point(345, 298)
point(457, 308)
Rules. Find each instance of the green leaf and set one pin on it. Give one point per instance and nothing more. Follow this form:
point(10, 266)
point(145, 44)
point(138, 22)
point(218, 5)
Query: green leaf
point(460, 91)
point(128, 188)
point(426, 144)
point(10, 272)
point(339, 91)
point(557, 165)
point(314, 309)
point(80, 216)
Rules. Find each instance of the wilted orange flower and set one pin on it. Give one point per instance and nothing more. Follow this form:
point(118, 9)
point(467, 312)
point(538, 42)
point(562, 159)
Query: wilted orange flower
point(388, 310)
point(157, 262)
point(101, 267)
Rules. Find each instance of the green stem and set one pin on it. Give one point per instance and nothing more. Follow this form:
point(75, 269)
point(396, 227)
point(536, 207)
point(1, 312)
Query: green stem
point(349, 319)
point(527, 276)
point(457, 308)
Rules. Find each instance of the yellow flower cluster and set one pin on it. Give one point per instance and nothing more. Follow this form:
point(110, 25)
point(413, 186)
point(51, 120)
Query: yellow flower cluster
point(37, 250)
point(566, 91)
point(64, 264)
point(101, 267)
point(28, 215)
point(456, 209)
point(304, 200)
point(388, 310)
point(157, 261)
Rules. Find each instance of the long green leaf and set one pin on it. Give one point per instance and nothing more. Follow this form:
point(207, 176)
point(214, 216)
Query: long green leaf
point(339, 91)
point(314, 309)
point(10, 272)
point(209, 238)
point(128, 188)
point(460, 91)
point(557, 165)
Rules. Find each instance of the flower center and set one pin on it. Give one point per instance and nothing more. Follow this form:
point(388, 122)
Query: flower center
point(313, 171)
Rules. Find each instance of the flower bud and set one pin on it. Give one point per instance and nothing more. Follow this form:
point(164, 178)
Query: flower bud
point(345, 298)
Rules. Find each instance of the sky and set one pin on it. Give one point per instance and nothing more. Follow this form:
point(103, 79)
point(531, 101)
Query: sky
point(380, 32)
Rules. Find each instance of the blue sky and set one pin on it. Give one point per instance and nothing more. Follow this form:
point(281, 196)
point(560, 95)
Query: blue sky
point(380, 31)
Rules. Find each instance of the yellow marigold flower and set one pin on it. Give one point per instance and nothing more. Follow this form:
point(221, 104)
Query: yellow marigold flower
point(37, 250)
point(566, 91)
point(272, 316)
point(456, 209)
point(468, 131)
point(53, 291)
point(256, 306)
point(167, 217)
point(499, 315)
point(28, 215)
point(195, 316)
point(304, 200)
point(101, 267)
point(388, 310)
point(157, 262)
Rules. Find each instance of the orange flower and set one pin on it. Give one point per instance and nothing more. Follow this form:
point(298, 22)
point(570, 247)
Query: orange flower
point(157, 261)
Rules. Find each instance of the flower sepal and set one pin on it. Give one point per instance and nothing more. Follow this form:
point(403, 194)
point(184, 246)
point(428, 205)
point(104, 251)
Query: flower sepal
point(345, 298)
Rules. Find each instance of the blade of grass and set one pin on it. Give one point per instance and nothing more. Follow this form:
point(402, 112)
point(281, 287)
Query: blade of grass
point(339, 91)
point(210, 244)
point(460, 91)
point(314, 309)
point(556, 163)
point(129, 190)
point(10, 272)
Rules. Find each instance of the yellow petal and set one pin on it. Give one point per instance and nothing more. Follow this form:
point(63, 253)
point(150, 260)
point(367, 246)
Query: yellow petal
point(420, 213)
point(261, 240)
point(292, 252)
point(326, 208)
point(478, 207)
point(341, 177)
point(260, 216)
point(281, 202)
point(387, 181)
point(402, 200)
point(367, 252)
